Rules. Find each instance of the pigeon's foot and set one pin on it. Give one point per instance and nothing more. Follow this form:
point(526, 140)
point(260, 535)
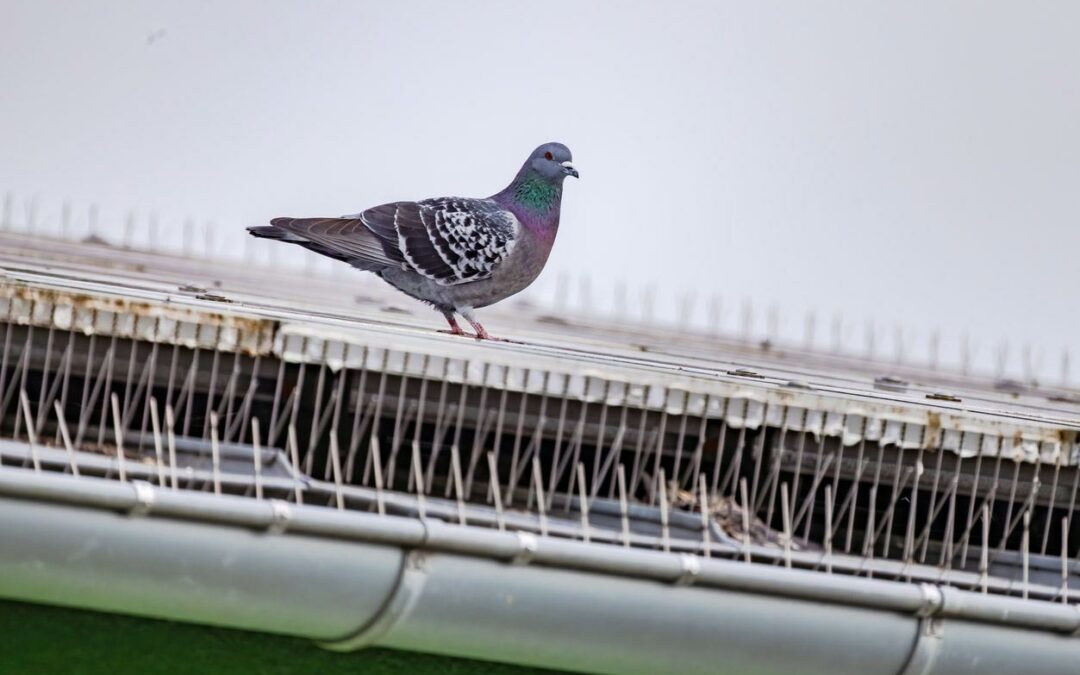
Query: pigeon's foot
point(481, 333)
point(458, 332)
point(455, 329)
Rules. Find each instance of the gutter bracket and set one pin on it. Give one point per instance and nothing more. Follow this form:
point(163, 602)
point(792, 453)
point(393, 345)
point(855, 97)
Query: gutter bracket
point(529, 546)
point(144, 498)
point(928, 637)
point(691, 569)
point(281, 515)
point(403, 597)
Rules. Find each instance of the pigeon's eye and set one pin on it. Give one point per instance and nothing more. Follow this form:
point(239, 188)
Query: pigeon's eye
point(548, 155)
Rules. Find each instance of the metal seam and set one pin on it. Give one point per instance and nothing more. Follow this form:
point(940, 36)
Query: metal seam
point(406, 591)
point(928, 633)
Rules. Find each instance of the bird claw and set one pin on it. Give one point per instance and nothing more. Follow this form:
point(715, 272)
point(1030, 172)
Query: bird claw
point(458, 332)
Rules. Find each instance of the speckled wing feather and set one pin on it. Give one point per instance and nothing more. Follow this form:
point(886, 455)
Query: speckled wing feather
point(448, 240)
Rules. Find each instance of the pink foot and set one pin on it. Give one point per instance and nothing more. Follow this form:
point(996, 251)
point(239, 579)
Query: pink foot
point(458, 332)
point(455, 329)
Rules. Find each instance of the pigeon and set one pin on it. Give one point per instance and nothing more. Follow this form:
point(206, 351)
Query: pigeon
point(456, 254)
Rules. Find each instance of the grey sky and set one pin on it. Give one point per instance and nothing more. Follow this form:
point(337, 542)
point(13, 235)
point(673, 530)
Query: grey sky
point(912, 163)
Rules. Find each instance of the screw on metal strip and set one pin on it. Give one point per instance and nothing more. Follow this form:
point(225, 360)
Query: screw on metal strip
point(282, 514)
point(529, 545)
point(144, 498)
point(691, 569)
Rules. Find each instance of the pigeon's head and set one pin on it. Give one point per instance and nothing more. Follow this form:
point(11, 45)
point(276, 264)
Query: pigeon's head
point(552, 161)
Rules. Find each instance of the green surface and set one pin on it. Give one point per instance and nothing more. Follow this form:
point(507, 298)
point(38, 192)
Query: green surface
point(42, 640)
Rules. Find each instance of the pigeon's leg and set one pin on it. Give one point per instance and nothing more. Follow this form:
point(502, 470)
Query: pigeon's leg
point(481, 334)
point(455, 329)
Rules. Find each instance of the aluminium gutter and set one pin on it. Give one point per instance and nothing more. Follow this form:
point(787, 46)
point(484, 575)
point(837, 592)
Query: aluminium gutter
point(351, 579)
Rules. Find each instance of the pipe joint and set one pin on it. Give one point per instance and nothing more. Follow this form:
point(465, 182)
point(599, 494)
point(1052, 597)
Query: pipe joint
point(529, 546)
point(144, 498)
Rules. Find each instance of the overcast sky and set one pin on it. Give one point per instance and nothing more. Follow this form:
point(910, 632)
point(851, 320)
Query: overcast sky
point(913, 163)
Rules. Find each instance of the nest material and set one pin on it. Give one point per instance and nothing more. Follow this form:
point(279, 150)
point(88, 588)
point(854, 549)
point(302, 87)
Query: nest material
point(729, 516)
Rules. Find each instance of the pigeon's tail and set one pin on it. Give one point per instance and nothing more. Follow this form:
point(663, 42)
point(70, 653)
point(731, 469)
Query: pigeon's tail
point(282, 229)
point(272, 232)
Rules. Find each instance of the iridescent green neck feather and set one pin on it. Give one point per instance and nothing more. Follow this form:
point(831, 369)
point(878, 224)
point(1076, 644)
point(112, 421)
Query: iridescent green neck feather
point(536, 193)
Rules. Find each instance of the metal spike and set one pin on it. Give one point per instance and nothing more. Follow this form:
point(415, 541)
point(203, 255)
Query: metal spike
point(188, 237)
point(1053, 493)
point(562, 282)
point(716, 314)
point(67, 440)
point(24, 403)
point(785, 511)
point(1001, 359)
point(155, 427)
point(619, 304)
point(119, 432)
point(585, 303)
point(984, 557)
point(215, 453)
point(129, 230)
point(1025, 545)
point(5, 217)
point(583, 502)
point(459, 492)
point(376, 457)
point(648, 304)
point(418, 478)
point(294, 452)
point(170, 436)
point(828, 528)
point(1064, 561)
point(745, 508)
point(665, 532)
point(686, 308)
point(624, 509)
point(706, 517)
point(538, 485)
point(810, 329)
point(256, 460)
point(772, 323)
point(493, 480)
point(152, 233)
point(335, 461)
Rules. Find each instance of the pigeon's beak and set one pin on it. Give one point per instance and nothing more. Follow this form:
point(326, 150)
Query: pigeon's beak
point(569, 169)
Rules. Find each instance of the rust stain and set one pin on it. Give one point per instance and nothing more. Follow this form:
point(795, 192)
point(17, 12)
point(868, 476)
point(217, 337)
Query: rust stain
point(134, 318)
point(933, 430)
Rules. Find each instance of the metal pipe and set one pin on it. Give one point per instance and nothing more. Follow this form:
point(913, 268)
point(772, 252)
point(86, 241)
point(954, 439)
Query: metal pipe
point(507, 546)
point(357, 593)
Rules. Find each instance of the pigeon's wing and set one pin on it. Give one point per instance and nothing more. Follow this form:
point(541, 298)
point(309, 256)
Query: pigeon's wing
point(448, 240)
point(470, 236)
